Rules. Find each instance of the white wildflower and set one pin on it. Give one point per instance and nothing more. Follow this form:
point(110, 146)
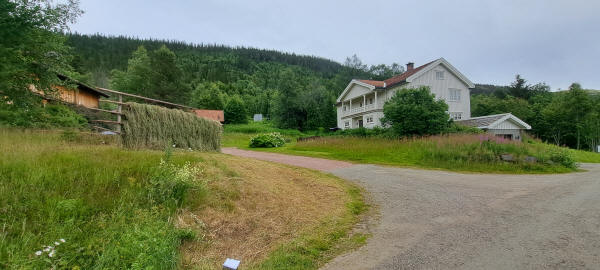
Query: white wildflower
point(62, 240)
point(47, 249)
point(173, 145)
point(51, 254)
point(38, 253)
point(56, 243)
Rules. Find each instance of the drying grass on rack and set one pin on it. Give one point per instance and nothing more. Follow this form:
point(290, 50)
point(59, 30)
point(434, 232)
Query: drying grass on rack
point(150, 126)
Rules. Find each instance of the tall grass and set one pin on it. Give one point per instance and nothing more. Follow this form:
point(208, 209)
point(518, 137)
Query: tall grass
point(155, 127)
point(112, 207)
point(458, 152)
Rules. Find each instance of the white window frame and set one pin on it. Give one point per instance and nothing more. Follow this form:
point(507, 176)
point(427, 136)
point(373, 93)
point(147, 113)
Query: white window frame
point(456, 115)
point(454, 94)
point(369, 119)
point(439, 74)
point(347, 124)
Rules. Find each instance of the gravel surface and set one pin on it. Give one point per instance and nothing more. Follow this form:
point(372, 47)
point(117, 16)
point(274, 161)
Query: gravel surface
point(306, 162)
point(444, 220)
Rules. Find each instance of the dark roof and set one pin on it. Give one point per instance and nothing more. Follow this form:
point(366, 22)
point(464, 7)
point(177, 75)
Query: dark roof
point(396, 79)
point(83, 86)
point(481, 121)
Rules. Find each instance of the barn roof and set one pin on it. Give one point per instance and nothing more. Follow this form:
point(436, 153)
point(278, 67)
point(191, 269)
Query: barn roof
point(83, 86)
point(216, 115)
point(491, 121)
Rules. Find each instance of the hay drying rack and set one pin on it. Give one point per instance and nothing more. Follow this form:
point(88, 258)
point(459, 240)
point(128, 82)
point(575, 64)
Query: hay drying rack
point(119, 111)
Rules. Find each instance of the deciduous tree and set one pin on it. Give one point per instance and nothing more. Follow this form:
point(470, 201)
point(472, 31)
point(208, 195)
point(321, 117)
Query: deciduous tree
point(416, 112)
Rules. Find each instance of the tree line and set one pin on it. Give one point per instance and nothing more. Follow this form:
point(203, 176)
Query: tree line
point(570, 117)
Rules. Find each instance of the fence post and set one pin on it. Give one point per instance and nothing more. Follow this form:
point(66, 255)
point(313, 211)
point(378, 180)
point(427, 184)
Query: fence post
point(119, 107)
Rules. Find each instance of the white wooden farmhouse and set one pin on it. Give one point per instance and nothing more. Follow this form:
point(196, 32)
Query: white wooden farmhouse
point(361, 103)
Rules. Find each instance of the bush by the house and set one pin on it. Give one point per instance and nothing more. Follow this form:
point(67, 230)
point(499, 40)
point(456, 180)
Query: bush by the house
point(416, 112)
point(267, 140)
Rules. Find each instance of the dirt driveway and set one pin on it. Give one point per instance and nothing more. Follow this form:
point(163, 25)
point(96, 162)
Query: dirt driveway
point(443, 220)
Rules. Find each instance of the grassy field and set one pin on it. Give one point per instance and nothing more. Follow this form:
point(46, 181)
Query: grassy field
point(81, 203)
point(456, 152)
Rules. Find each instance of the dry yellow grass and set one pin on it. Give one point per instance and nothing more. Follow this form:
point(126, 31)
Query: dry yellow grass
point(269, 204)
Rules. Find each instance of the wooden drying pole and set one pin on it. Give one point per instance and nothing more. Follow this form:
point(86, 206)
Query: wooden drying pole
point(121, 94)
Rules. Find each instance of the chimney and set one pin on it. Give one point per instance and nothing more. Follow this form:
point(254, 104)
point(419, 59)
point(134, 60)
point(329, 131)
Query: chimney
point(410, 66)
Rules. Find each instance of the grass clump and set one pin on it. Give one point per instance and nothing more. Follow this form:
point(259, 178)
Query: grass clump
point(267, 140)
point(155, 127)
point(112, 207)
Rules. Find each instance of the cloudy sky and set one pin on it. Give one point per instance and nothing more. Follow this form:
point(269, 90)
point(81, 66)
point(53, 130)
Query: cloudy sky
point(552, 41)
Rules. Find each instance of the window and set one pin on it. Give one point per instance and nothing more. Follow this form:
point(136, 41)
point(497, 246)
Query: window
point(456, 115)
point(344, 108)
point(454, 95)
point(369, 119)
point(347, 124)
point(370, 100)
point(439, 74)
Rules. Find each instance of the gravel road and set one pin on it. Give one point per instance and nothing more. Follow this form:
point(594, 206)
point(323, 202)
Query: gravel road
point(443, 220)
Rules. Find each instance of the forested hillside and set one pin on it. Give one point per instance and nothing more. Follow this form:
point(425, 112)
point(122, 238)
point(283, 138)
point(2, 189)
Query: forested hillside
point(296, 91)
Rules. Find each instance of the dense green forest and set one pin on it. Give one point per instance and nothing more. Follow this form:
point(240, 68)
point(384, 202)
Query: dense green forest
point(296, 91)
point(570, 117)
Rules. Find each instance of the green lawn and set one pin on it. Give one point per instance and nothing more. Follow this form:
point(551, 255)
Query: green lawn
point(119, 209)
point(457, 152)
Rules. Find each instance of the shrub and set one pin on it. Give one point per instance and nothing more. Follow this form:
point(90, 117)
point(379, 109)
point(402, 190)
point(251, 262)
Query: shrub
point(149, 126)
point(563, 157)
point(50, 116)
point(267, 140)
point(415, 112)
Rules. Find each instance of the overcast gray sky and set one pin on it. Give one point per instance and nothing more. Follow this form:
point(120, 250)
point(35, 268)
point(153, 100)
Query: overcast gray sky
point(552, 41)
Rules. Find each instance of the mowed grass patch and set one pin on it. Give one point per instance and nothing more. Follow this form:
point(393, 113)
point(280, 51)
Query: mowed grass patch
point(283, 211)
point(585, 156)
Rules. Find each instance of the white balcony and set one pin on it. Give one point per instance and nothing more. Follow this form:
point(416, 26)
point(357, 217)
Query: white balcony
point(356, 110)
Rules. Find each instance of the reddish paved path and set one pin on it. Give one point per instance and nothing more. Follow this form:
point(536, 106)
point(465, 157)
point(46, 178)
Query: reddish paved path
point(320, 164)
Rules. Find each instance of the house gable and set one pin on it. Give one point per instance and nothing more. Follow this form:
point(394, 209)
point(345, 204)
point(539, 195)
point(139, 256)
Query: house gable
point(509, 121)
point(448, 67)
point(355, 89)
